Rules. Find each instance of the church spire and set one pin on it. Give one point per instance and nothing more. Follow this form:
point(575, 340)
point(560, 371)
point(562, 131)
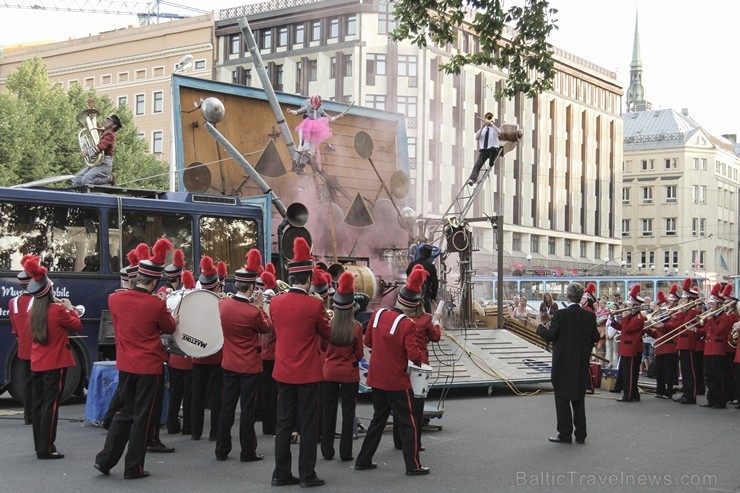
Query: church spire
point(636, 93)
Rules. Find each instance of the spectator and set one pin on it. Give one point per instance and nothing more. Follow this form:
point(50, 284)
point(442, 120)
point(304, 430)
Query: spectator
point(548, 307)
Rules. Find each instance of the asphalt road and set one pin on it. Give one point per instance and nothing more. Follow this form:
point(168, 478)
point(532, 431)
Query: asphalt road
point(496, 443)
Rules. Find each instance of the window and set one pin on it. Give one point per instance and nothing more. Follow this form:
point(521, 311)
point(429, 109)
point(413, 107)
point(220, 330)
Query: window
point(386, 19)
point(122, 77)
point(316, 30)
point(696, 163)
point(248, 77)
point(625, 227)
point(158, 72)
point(644, 165)
point(551, 245)
point(158, 103)
point(298, 76)
point(697, 258)
point(674, 259)
point(140, 74)
point(282, 36)
point(299, 34)
point(698, 226)
point(407, 106)
point(157, 142)
point(647, 195)
point(105, 80)
point(670, 226)
point(671, 194)
point(140, 101)
point(350, 25)
point(334, 27)
point(348, 65)
point(534, 243)
point(567, 246)
point(89, 82)
point(234, 77)
point(234, 44)
point(376, 64)
point(313, 70)
point(583, 248)
point(412, 151)
point(376, 101)
point(407, 65)
point(332, 67)
point(279, 77)
point(647, 227)
point(516, 242)
point(628, 259)
point(704, 163)
point(667, 163)
point(199, 65)
point(122, 101)
point(266, 39)
point(703, 194)
point(597, 251)
point(626, 195)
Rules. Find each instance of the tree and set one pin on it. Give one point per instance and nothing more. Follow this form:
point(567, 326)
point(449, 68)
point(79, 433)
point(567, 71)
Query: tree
point(38, 132)
point(522, 51)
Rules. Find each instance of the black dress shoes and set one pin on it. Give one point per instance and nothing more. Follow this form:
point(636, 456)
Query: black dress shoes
point(684, 400)
point(365, 467)
point(348, 459)
point(559, 440)
point(706, 405)
point(104, 471)
point(144, 474)
point(580, 442)
point(622, 399)
point(251, 458)
point(159, 448)
point(312, 483)
point(421, 471)
point(285, 482)
point(53, 455)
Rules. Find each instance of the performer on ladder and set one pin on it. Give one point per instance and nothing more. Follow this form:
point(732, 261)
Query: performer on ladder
point(489, 147)
point(312, 131)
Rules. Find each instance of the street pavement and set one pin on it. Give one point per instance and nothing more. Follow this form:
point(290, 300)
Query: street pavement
point(487, 443)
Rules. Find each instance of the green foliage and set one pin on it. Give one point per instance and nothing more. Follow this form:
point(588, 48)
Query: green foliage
point(38, 132)
point(522, 53)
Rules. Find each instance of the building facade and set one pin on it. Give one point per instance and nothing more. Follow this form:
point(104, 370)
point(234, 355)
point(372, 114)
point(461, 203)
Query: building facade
point(132, 66)
point(559, 190)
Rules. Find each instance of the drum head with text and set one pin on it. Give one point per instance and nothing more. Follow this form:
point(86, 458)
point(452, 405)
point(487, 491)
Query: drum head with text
point(199, 332)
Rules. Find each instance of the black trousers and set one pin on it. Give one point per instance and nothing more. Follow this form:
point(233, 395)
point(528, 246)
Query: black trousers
point(113, 406)
point(729, 377)
point(330, 393)
point(714, 377)
point(47, 390)
point(688, 373)
point(566, 421)
point(156, 422)
point(484, 155)
point(701, 388)
point(736, 370)
point(291, 398)
point(207, 386)
point(269, 398)
point(28, 391)
point(181, 393)
point(665, 373)
point(238, 387)
point(629, 368)
point(132, 423)
point(417, 407)
point(400, 401)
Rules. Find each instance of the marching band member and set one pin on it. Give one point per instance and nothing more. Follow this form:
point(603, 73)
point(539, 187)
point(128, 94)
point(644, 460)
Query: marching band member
point(139, 320)
point(630, 346)
point(714, 330)
point(392, 337)
point(685, 345)
point(589, 297)
point(269, 396)
point(51, 355)
point(666, 357)
point(242, 321)
point(300, 321)
point(103, 173)
point(222, 269)
point(181, 381)
point(207, 373)
point(698, 355)
point(343, 353)
point(19, 313)
point(729, 376)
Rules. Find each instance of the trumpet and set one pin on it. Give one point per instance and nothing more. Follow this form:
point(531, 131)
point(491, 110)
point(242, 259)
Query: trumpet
point(690, 325)
point(734, 335)
point(78, 309)
point(640, 307)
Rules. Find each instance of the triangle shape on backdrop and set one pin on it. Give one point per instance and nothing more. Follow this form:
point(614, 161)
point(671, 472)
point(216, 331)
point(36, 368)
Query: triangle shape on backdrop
point(270, 163)
point(358, 214)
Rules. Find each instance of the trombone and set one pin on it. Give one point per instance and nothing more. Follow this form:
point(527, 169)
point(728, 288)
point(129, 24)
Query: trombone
point(690, 325)
point(636, 307)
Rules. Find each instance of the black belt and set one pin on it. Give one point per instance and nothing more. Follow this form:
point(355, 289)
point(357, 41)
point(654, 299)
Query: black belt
point(626, 342)
point(719, 340)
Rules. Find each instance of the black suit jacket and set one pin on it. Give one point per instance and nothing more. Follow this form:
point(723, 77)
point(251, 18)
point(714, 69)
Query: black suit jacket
point(573, 333)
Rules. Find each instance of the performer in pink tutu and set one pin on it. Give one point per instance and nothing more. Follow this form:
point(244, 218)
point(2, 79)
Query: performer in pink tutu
point(312, 131)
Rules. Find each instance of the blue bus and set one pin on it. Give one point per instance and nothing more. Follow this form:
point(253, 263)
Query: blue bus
point(83, 240)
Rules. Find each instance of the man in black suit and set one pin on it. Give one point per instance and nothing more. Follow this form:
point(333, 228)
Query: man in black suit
point(573, 333)
point(431, 285)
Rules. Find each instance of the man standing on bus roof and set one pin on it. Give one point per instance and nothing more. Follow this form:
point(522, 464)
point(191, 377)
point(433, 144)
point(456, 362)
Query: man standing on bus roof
point(103, 173)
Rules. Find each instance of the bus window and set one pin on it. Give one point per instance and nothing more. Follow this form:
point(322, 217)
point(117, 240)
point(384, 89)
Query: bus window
point(66, 238)
point(532, 290)
point(483, 290)
point(228, 239)
point(557, 289)
point(665, 286)
point(511, 289)
point(647, 290)
point(611, 288)
point(148, 227)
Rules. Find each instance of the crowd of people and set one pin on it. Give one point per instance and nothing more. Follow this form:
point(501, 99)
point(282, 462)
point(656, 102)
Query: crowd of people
point(300, 348)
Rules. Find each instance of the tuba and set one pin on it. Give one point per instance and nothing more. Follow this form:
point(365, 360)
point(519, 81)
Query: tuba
point(89, 136)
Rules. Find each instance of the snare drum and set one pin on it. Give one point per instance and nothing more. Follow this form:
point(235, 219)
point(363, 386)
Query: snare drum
point(419, 377)
point(198, 333)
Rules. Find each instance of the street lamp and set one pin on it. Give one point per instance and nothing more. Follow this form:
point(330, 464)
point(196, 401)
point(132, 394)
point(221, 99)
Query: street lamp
point(183, 65)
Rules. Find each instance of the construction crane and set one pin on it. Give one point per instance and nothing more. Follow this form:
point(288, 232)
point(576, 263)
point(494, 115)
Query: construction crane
point(145, 11)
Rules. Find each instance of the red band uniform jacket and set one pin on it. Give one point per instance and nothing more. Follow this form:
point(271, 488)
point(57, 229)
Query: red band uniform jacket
point(426, 331)
point(630, 341)
point(341, 363)
point(715, 331)
point(687, 340)
point(19, 311)
point(57, 352)
point(670, 346)
point(391, 351)
point(242, 322)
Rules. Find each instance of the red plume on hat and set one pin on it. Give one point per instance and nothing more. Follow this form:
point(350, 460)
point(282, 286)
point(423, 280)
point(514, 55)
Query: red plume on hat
point(301, 250)
point(207, 267)
point(346, 283)
point(716, 289)
point(133, 260)
point(142, 251)
point(178, 259)
point(222, 269)
point(590, 288)
point(686, 285)
point(318, 278)
point(674, 290)
point(34, 269)
point(25, 259)
point(661, 298)
point(416, 279)
point(270, 267)
point(269, 279)
point(727, 291)
point(635, 291)
point(254, 260)
point(161, 248)
point(188, 280)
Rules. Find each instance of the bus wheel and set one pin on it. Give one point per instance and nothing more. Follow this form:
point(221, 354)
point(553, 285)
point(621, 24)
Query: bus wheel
point(71, 382)
point(18, 375)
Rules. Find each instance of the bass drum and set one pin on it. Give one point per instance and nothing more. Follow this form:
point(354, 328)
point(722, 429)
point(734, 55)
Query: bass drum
point(365, 281)
point(199, 333)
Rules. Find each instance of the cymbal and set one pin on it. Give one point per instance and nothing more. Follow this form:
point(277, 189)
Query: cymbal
point(197, 177)
point(399, 184)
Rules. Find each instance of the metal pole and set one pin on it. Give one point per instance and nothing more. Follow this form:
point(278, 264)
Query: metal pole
point(259, 66)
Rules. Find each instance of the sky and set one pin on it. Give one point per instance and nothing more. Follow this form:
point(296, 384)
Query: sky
point(689, 48)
